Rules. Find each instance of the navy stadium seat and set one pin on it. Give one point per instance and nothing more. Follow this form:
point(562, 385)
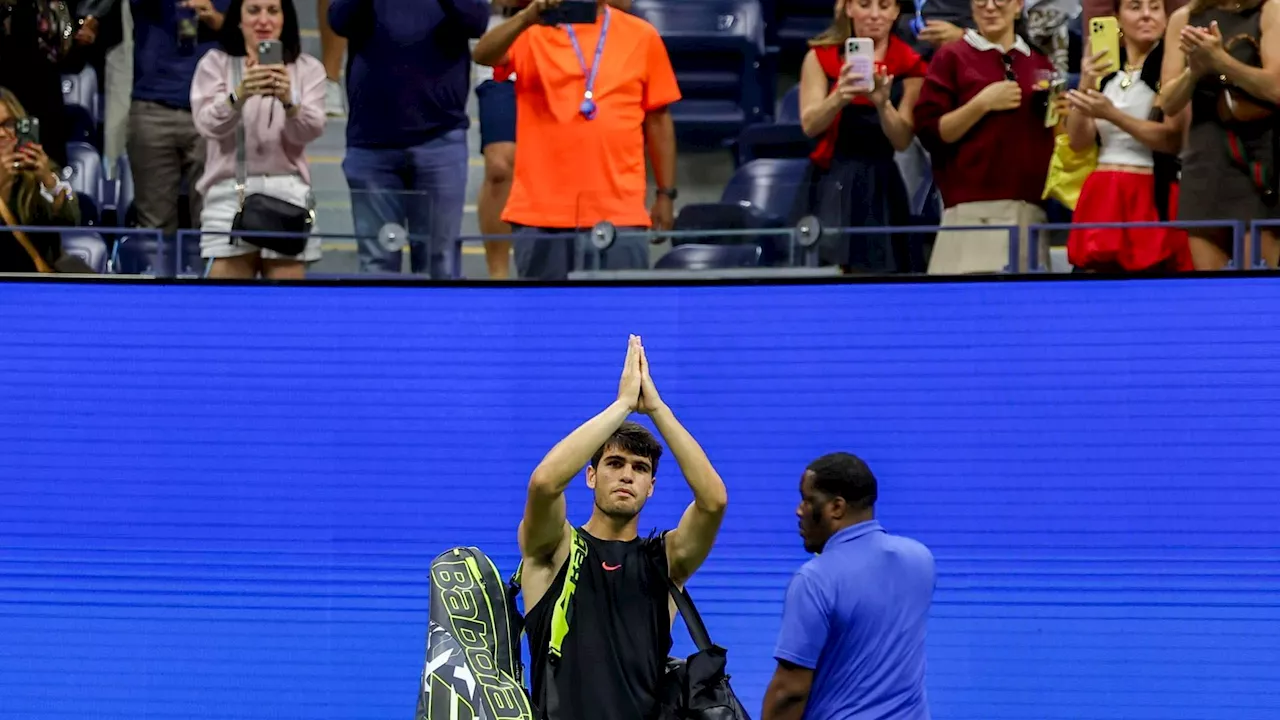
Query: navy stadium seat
point(716, 48)
point(81, 102)
point(782, 138)
point(798, 21)
point(89, 247)
point(84, 173)
point(709, 257)
point(762, 194)
point(118, 200)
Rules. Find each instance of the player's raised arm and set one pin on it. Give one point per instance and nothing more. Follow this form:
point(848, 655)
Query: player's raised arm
point(544, 525)
point(690, 542)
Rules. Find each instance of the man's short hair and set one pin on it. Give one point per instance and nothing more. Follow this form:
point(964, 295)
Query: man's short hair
point(632, 438)
point(847, 476)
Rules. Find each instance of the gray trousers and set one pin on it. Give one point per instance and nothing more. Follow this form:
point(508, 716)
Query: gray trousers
point(164, 150)
point(552, 259)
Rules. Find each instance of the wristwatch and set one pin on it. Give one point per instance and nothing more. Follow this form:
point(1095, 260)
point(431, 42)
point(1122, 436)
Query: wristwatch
point(669, 193)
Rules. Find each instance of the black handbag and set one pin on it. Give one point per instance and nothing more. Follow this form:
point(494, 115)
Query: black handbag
point(289, 224)
point(697, 688)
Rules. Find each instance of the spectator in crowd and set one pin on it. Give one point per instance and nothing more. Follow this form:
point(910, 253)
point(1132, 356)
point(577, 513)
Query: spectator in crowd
point(496, 98)
point(858, 183)
point(407, 88)
point(31, 194)
point(1222, 70)
point(983, 121)
point(106, 28)
point(496, 101)
point(333, 50)
point(282, 110)
point(32, 47)
point(1134, 180)
point(594, 97)
point(165, 151)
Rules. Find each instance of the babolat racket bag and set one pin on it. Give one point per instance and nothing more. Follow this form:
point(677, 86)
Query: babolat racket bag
point(473, 669)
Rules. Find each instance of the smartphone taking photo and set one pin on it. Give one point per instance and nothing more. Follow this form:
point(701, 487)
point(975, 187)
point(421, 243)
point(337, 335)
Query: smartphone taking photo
point(570, 12)
point(27, 131)
point(270, 52)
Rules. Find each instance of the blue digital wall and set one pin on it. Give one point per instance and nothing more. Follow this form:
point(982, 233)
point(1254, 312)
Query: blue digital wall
point(221, 501)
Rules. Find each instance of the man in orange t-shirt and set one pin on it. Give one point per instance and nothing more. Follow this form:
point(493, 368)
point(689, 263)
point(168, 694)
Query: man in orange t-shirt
point(590, 100)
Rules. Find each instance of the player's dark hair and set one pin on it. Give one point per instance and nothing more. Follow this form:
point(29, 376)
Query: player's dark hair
point(846, 476)
point(634, 439)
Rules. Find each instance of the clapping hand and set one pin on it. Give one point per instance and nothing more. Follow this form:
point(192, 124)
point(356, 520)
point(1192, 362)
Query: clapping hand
point(1203, 47)
point(650, 401)
point(632, 376)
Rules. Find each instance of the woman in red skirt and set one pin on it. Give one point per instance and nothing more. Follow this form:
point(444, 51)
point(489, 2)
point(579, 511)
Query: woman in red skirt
point(1135, 180)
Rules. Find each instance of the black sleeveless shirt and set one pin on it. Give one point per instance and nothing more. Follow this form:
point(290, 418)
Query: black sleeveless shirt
point(615, 653)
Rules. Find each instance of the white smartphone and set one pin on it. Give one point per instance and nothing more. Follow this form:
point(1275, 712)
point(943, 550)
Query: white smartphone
point(860, 57)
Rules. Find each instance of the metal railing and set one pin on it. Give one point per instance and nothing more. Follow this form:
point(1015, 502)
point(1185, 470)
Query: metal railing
point(1237, 234)
point(169, 256)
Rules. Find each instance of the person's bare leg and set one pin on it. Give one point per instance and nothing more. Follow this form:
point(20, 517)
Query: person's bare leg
point(284, 270)
point(1271, 248)
point(1207, 254)
point(240, 267)
point(499, 163)
point(333, 51)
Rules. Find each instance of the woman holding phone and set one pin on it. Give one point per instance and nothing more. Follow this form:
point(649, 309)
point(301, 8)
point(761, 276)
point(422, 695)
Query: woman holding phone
point(31, 193)
point(1137, 147)
point(861, 119)
point(280, 102)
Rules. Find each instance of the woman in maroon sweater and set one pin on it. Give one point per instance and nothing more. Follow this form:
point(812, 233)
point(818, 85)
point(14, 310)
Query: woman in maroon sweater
point(983, 123)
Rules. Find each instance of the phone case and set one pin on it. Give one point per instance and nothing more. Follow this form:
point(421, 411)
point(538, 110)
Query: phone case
point(860, 55)
point(1104, 35)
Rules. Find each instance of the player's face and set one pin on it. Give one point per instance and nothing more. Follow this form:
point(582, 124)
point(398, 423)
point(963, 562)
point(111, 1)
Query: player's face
point(814, 515)
point(622, 482)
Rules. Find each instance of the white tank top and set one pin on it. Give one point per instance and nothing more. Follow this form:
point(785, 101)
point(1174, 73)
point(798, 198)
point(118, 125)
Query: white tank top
point(1119, 147)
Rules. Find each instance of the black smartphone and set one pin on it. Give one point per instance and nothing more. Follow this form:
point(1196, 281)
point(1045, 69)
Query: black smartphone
point(270, 52)
point(571, 12)
point(28, 131)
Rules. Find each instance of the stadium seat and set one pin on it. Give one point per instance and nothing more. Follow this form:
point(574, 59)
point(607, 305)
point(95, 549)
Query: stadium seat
point(81, 101)
point(762, 194)
point(716, 49)
point(118, 196)
point(89, 247)
point(709, 257)
point(84, 173)
point(798, 21)
point(782, 138)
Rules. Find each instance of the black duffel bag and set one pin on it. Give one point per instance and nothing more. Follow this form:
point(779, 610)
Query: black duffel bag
point(697, 688)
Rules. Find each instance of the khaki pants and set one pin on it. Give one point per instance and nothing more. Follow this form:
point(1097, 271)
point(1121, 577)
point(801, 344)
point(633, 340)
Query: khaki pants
point(960, 252)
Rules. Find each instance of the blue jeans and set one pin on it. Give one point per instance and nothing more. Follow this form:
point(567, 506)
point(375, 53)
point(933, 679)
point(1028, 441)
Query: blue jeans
point(422, 188)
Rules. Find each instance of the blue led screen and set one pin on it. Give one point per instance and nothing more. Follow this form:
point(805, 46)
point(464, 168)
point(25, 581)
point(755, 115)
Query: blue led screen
point(221, 501)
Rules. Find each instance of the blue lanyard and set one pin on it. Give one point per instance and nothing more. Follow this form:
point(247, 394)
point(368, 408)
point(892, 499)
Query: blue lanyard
point(588, 106)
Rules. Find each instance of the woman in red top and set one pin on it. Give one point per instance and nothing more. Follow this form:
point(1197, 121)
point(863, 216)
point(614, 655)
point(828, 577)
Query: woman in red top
point(983, 122)
point(857, 182)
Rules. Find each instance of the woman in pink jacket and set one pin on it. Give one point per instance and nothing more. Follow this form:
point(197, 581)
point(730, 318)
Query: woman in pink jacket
point(282, 109)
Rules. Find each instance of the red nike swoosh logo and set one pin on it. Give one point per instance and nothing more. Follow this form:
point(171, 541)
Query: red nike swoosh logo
point(609, 567)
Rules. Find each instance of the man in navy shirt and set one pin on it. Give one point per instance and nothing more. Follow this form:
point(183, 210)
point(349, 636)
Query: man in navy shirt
point(165, 151)
point(408, 76)
point(851, 645)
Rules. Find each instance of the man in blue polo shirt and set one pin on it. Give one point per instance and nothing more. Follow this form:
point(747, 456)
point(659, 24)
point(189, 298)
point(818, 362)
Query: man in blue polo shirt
point(851, 645)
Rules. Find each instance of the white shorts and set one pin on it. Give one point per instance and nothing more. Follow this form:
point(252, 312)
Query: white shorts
point(221, 204)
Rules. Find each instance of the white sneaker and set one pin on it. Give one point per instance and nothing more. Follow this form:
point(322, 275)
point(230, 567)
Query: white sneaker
point(335, 100)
